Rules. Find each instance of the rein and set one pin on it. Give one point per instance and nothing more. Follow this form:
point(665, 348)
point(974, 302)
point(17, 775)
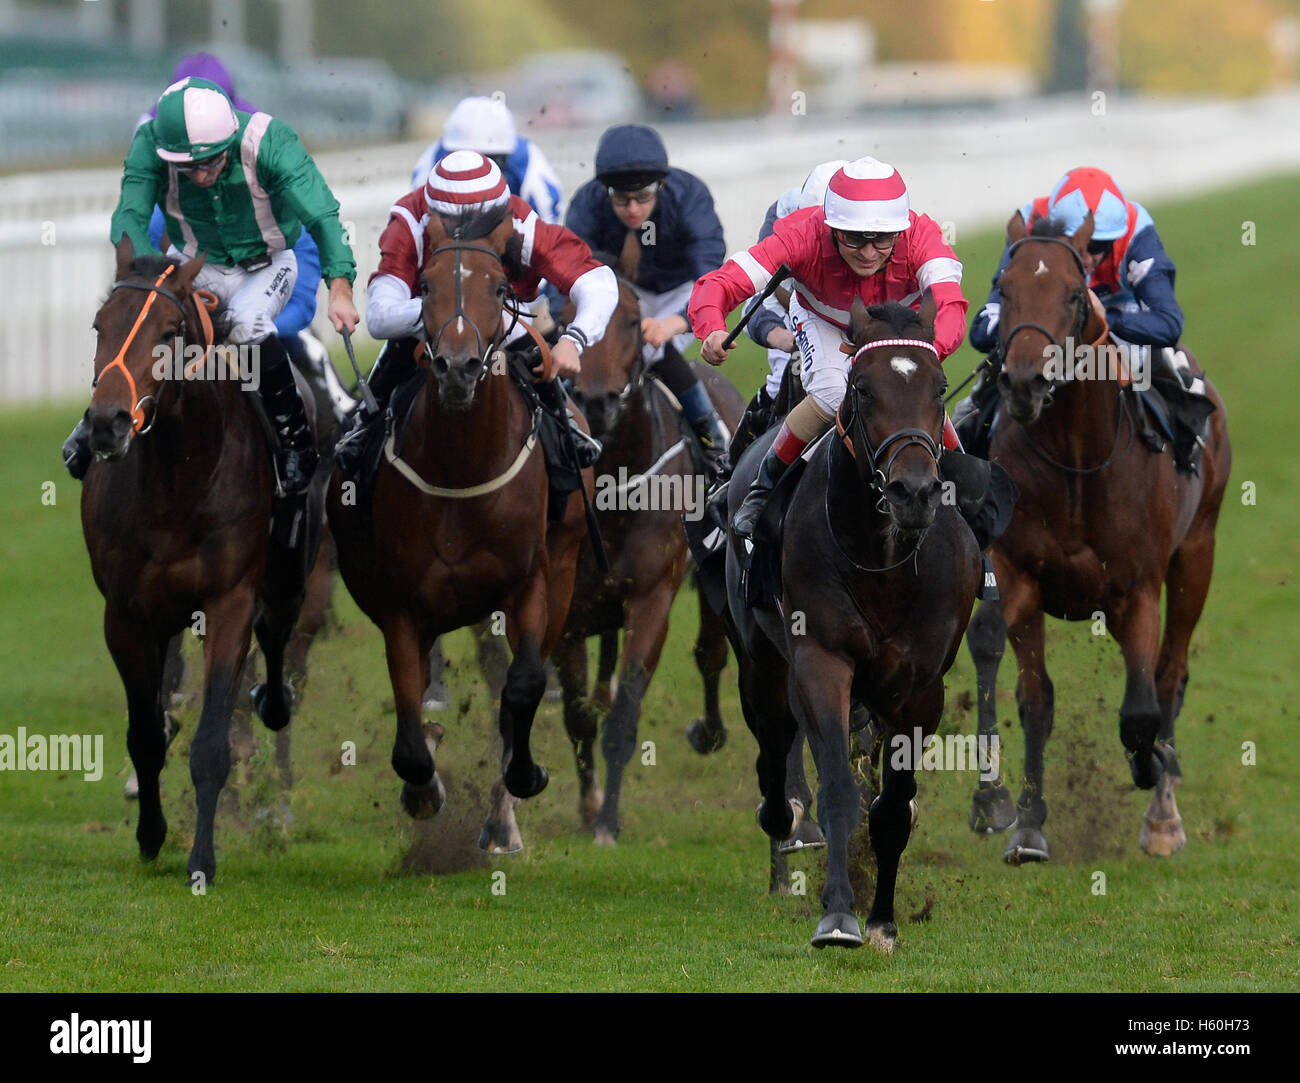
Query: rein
point(913, 556)
point(204, 302)
point(460, 315)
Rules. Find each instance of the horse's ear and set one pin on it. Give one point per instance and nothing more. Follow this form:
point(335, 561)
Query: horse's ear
point(125, 256)
point(1083, 234)
point(929, 309)
point(1016, 230)
point(185, 276)
point(859, 322)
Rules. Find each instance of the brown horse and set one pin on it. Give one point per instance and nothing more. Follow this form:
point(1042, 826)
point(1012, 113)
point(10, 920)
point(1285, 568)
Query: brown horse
point(1101, 523)
point(177, 514)
point(458, 526)
point(878, 576)
point(630, 414)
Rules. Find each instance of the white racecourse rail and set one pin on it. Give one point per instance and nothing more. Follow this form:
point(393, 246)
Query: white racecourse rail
point(969, 168)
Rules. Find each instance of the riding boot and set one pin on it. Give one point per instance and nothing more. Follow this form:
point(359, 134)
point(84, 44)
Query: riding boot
point(973, 416)
point(76, 450)
point(296, 458)
point(1191, 406)
point(753, 423)
point(713, 438)
point(711, 435)
point(553, 397)
point(393, 367)
point(751, 509)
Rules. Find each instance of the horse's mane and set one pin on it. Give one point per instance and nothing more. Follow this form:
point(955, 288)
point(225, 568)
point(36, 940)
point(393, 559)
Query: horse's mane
point(1048, 227)
point(903, 321)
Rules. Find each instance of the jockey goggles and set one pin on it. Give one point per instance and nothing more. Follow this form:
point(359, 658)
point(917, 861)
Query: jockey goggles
point(1100, 248)
point(203, 165)
point(881, 242)
point(642, 197)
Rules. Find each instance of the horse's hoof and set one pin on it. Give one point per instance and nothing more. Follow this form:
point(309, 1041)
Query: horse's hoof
point(603, 836)
point(1027, 844)
point(992, 810)
point(807, 836)
point(501, 838)
point(151, 841)
point(131, 791)
point(1146, 769)
point(775, 830)
point(882, 936)
point(530, 786)
point(436, 697)
point(274, 711)
point(424, 802)
point(1162, 838)
point(705, 739)
point(840, 930)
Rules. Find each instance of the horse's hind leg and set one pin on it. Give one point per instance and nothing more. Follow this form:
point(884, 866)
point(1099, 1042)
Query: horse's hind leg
point(525, 685)
point(581, 721)
point(991, 808)
point(808, 835)
point(602, 692)
point(708, 734)
point(229, 623)
point(415, 744)
point(140, 660)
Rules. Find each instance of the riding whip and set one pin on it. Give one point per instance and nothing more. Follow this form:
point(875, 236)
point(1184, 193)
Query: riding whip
point(778, 276)
point(366, 396)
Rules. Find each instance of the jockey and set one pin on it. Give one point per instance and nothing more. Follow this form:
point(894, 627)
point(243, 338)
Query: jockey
point(1128, 271)
point(294, 320)
point(772, 326)
point(486, 126)
point(466, 184)
point(863, 242)
point(239, 188)
point(661, 223)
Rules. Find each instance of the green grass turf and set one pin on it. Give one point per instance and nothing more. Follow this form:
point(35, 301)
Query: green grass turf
point(355, 896)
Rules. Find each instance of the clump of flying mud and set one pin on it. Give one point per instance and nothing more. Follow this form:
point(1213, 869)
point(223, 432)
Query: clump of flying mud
point(1091, 814)
point(448, 842)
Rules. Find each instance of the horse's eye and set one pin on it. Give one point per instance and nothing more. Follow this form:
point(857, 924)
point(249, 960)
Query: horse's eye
point(424, 289)
point(167, 336)
point(503, 289)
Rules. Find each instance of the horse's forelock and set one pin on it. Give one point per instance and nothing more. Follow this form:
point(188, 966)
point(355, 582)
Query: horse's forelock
point(1048, 227)
point(903, 321)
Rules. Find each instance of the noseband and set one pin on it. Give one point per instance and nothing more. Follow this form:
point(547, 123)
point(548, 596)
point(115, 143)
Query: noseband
point(155, 290)
point(899, 441)
point(484, 352)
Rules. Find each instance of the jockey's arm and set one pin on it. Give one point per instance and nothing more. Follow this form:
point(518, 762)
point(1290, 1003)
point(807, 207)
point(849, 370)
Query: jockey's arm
point(717, 293)
point(1157, 319)
point(938, 270)
point(393, 307)
point(143, 183)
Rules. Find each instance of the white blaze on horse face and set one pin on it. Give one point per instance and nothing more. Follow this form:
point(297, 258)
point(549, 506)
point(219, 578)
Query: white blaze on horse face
point(460, 325)
point(903, 366)
point(1041, 269)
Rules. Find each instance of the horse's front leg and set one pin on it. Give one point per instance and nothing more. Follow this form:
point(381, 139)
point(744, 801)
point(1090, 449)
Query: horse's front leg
point(415, 745)
point(1036, 700)
point(140, 662)
point(645, 628)
point(820, 684)
point(525, 685)
point(230, 626)
point(1136, 623)
point(581, 721)
point(991, 807)
point(893, 813)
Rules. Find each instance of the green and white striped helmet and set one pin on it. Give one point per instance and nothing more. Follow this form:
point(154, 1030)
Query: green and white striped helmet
point(195, 121)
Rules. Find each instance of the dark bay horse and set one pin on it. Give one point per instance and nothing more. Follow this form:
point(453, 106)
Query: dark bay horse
point(1100, 525)
point(645, 481)
point(177, 513)
point(878, 576)
point(458, 526)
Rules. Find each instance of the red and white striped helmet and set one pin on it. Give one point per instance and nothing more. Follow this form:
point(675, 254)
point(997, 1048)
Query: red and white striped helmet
point(465, 182)
point(867, 196)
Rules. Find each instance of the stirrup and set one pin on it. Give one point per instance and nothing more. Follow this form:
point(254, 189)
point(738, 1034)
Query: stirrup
point(586, 446)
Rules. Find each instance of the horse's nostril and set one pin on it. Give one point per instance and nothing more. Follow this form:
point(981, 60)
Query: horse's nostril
point(440, 365)
point(1004, 381)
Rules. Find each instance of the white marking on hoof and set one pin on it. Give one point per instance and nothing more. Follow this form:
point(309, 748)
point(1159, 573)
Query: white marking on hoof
point(882, 943)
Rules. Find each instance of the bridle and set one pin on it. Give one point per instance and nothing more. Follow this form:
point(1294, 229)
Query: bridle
point(460, 315)
point(1080, 321)
point(854, 431)
point(1081, 313)
point(203, 301)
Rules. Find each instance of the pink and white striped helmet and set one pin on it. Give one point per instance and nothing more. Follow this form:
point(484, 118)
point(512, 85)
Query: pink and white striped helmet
point(867, 196)
point(465, 182)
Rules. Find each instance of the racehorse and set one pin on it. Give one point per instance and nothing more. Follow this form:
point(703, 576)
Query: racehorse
point(631, 414)
point(458, 523)
point(878, 577)
point(1101, 523)
point(177, 515)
